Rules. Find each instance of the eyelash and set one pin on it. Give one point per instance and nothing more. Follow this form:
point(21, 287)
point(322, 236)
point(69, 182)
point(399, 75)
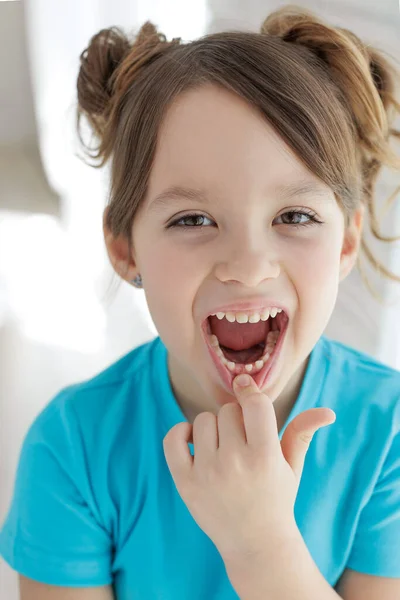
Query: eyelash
point(313, 220)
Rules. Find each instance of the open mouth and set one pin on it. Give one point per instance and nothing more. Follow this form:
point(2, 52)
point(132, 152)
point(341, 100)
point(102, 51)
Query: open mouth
point(245, 347)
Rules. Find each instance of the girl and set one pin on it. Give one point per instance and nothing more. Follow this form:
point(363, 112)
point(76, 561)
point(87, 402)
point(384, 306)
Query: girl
point(241, 167)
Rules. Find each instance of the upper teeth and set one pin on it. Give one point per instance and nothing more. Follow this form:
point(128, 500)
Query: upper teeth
point(251, 317)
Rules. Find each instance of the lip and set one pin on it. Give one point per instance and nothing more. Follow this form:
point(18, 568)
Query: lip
point(226, 375)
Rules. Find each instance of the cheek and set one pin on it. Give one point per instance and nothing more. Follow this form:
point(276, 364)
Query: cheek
point(162, 262)
point(169, 290)
point(315, 260)
point(314, 272)
point(169, 259)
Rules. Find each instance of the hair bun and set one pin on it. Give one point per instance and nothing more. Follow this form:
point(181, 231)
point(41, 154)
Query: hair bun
point(105, 52)
point(282, 20)
point(109, 65)
point(364, 77)
point(297, 25)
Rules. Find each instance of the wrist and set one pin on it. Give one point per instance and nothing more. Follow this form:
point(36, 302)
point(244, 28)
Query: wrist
point(273, 551)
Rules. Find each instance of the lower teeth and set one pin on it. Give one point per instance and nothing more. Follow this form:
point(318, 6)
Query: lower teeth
point(255, 367)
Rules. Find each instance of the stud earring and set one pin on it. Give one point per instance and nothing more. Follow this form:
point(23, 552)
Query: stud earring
point(137, 281)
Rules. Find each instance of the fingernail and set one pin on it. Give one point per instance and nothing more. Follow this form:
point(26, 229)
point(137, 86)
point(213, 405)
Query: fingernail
point(243, 380)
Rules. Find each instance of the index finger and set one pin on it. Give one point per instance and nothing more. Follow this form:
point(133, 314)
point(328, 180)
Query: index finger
point(258, 415)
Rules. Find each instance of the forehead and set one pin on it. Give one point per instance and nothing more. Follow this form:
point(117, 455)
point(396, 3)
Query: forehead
point(211, 138)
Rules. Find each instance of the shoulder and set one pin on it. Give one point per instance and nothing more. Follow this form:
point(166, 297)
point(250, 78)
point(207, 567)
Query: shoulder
point(360, 375)
point(364, 393)
point(87, 417)
point(93, 398)
point(343, 354)
point(89, 427)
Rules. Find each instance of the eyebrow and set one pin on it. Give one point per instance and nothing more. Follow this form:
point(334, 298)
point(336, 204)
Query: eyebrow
point(284, 192)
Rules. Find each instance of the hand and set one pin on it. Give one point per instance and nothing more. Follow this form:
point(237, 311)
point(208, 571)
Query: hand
point(242, 483)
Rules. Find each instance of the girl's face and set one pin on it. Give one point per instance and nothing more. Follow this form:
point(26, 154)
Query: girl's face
point(242, 244)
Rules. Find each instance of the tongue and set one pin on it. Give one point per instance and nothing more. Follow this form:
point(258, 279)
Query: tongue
point(239, 336)
point(244, 357)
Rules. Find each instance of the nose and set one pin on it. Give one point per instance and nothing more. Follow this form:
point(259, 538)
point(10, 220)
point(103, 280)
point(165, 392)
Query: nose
point(249, 260)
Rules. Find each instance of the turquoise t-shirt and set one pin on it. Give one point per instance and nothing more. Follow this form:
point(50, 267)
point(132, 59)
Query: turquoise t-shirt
point(94, 501)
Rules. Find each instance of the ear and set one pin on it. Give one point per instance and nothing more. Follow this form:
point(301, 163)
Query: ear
point(119, 253)
point(351, 242)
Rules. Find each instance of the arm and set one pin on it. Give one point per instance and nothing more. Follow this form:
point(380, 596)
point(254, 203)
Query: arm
point(286, 572)
point(53, 523)
point(34, 590)
point(291, 573)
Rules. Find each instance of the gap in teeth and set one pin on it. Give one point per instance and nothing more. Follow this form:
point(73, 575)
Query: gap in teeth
point(272, 338)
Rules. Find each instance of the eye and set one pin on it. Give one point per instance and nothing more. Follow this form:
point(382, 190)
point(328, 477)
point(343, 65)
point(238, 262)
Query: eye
point(193, 216)
point(292, 218)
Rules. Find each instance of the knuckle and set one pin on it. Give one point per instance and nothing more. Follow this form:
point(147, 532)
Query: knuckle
point(306, 437)
point(229, 407)
point(203, 420)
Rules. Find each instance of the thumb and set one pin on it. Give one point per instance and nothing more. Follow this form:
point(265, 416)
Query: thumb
point(299, 433)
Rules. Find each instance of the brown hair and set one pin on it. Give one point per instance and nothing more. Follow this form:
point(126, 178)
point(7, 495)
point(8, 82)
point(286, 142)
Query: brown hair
point(330, 97)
